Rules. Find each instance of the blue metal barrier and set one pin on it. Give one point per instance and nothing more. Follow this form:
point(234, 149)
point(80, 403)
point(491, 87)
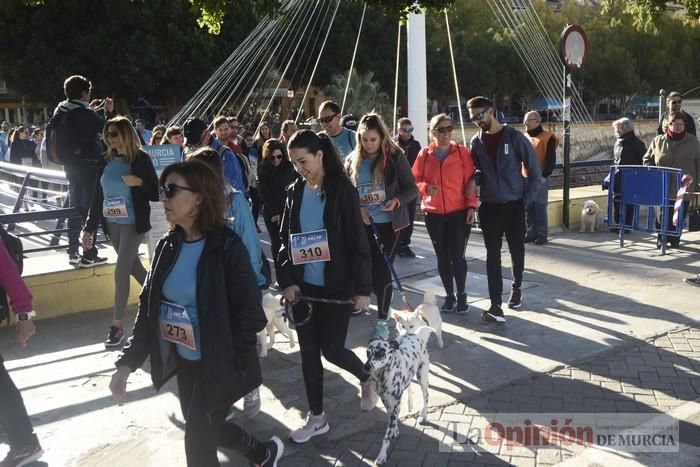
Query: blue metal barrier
point(653, 188)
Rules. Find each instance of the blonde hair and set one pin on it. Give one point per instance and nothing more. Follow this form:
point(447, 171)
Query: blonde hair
point(373, 121)
point(127, 133)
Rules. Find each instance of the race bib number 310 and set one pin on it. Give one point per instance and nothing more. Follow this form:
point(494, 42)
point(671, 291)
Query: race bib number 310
point(175, 325)
point(310, 247)
point(114, 207)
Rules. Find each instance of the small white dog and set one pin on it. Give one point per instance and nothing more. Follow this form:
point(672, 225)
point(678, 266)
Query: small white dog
point(590, 216)
point(392, 365)
point(427, 313)
point(275, 322)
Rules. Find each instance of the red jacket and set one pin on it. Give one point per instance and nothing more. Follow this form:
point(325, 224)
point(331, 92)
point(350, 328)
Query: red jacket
point(451, 177)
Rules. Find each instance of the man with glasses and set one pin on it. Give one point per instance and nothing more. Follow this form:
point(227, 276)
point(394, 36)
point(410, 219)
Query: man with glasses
point(329, 117)
point(673, 104)
point(500, 152)
point(411, 147)
point(234, 141)
point(545, 145)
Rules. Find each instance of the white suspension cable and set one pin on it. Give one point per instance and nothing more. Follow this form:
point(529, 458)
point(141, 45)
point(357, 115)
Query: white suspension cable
point(318, 59)
point(454, 74)
point(396, 77)
point(352, 62)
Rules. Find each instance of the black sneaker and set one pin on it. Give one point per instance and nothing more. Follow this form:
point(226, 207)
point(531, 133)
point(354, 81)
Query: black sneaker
point(540, 241)
point(529, 239)
point(494, 315)
point(462, 305)
point(22, 456)
point(449, 305)
point(406, 252)
point(275, 448)
point(115, 338)
point(515, 301)
point(73, 258)
point(356, 312)
point(90, 263)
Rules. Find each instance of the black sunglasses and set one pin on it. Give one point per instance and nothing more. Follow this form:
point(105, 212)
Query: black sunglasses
point(479, 116)
point(328, 118)
point(277, 156)
point(408, 129)
point(444, 129)
point(171, 189)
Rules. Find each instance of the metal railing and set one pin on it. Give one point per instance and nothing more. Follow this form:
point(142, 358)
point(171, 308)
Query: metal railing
point(583, 173)
point(43, 195)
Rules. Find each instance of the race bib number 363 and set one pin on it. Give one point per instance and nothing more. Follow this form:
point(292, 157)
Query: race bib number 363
point(175, 325)
point(310, 247)
point(114, 207)
point(371, 196)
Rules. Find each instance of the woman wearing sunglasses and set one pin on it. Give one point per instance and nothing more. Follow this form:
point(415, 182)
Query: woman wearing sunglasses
point(127, 183)
point(274, 176)
point(198, 316)
point(443, 172)
point(382, 176)
point(325, 256)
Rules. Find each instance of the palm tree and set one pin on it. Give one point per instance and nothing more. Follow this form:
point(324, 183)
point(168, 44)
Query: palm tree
point(364, 94)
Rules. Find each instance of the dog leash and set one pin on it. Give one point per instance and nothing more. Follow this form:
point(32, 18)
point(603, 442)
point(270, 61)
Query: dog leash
point(289, 315)
point(390, 264)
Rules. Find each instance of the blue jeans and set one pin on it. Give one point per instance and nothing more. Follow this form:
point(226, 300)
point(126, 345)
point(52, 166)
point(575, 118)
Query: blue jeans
point(537, 214)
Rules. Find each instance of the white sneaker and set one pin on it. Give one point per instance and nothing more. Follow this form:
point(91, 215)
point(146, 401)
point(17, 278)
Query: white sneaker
point(369, 395)
point(251, 403)
point(314, 425)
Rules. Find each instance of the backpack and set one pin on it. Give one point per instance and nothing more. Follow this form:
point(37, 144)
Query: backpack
point(16, 250)
point(243, 162)
point(61, 146)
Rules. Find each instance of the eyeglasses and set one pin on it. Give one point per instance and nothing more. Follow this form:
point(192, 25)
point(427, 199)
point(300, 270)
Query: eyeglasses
point(277, 156)
point(444, 129)
point(327, 119)
point(479, 116)
point(112, 134)
point(171, 189)
point(408, 129)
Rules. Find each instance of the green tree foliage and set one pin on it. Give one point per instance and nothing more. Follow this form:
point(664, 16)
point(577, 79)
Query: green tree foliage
point(364, 93)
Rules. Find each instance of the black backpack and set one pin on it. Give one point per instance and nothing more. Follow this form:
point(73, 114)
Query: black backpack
point(62, 147)
point(16, 251)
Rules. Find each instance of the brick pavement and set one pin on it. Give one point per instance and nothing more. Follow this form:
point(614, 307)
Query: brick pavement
point(652, 376)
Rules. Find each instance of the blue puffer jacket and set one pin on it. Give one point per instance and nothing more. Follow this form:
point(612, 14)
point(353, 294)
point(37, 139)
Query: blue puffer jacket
point(505, 183)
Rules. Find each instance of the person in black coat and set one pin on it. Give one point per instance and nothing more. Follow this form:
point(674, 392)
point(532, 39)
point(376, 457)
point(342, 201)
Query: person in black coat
point(23, 149)
point(628, 150)
point(275, 174)
point(411, 147)
point(199, 312)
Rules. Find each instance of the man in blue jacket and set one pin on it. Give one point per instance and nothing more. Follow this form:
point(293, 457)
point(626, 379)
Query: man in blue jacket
point(499, 153)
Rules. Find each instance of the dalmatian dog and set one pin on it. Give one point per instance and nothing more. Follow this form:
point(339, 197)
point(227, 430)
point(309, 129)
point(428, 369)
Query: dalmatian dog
point(275, 322)
point(392, 365)
point(427, 313)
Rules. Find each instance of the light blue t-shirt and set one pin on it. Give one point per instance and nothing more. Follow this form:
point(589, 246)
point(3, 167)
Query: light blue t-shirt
point(115, 191)
point(180, 287)
point(442, 155)
point(345, 142)
point(364, 187)
point(310, 219)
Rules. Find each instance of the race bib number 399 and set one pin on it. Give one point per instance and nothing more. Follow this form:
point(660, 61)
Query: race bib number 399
point(175, 325)
point(114, 207)
point(371, 196)
point(310, 247)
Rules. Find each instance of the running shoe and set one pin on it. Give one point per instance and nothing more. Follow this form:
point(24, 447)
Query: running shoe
point(115, 337)
point(693, 281)
point(462, 305)
point(275, 448)
point(494, 315)
point(90, 263)
point(313, 426)
point(516, 298)
point(22, 456)
point(449, 305)
point(74, 259)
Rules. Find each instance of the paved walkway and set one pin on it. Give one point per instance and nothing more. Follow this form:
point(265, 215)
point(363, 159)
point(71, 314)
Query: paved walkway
point(602, 329)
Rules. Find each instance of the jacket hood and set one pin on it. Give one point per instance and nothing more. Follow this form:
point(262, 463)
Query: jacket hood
point(70, 104)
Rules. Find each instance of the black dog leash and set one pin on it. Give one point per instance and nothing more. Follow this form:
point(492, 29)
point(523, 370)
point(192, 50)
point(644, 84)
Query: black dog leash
point(309, 300)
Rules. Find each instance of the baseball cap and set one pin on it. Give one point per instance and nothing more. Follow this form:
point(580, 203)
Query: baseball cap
point(349, 122)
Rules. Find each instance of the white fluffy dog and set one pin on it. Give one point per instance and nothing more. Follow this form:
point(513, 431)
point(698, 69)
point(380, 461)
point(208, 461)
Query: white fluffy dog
point(590, 216)
point(275, 322)
point(427, 313)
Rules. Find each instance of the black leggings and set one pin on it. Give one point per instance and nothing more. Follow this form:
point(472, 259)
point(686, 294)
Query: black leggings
point(381, 276)
point(497, 219)
point(255, 203)
point(13, 415)
point(449, 234)
point(325, 334)
point(203, 431)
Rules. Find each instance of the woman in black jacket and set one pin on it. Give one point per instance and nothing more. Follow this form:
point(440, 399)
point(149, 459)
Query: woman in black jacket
point(128, 182)
point(23, 149)
point(324, 255)
point(199, 312)
point(275, 174)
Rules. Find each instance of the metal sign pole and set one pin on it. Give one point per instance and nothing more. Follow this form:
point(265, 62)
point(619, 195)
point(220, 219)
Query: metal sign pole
point(566, 122)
